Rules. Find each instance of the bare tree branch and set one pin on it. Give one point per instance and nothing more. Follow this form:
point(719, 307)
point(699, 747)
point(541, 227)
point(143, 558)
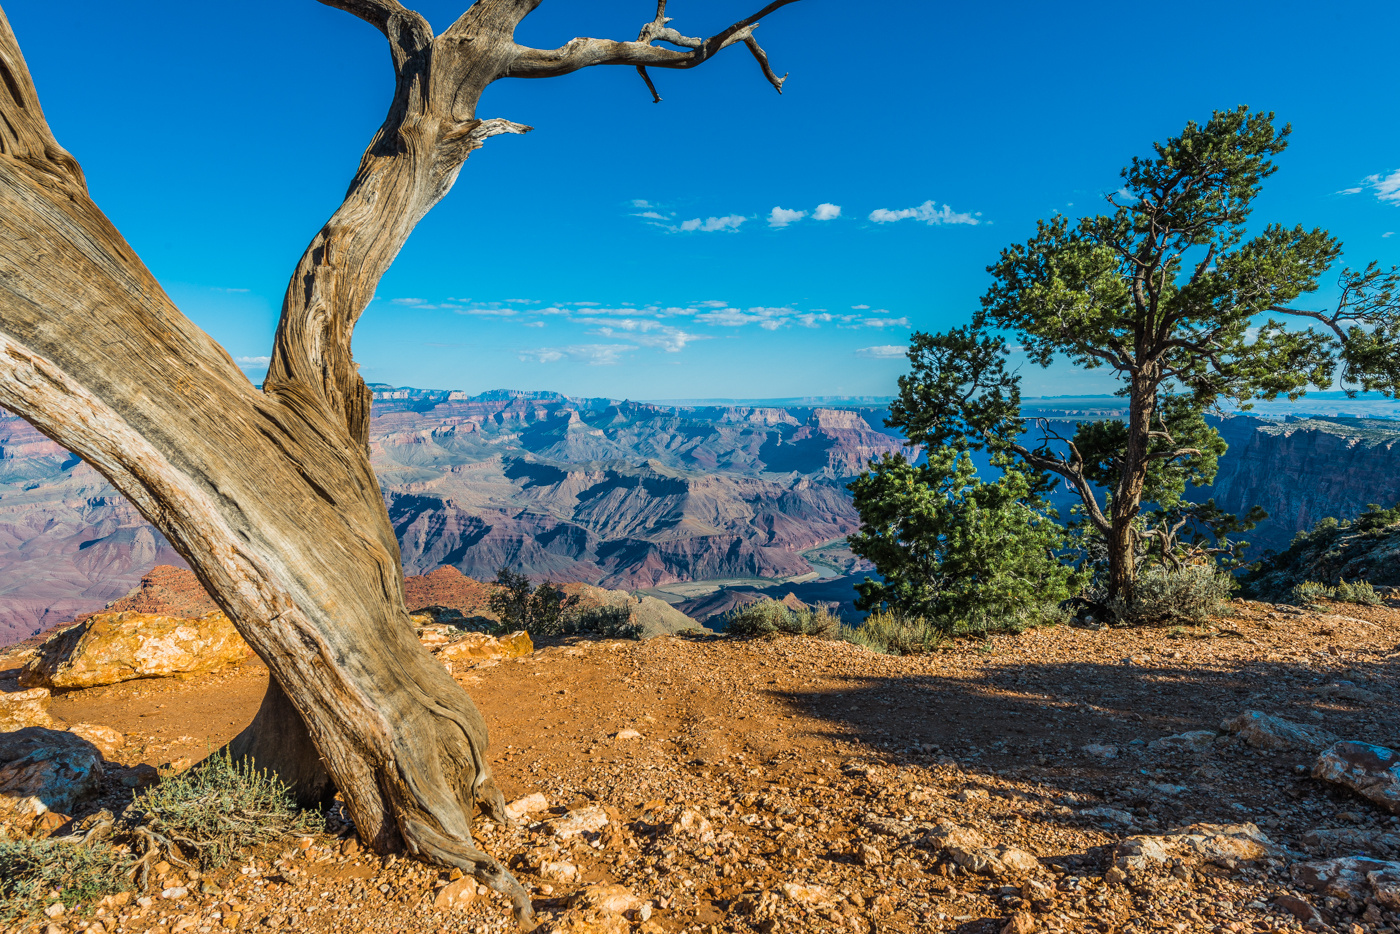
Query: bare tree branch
point(585, 52)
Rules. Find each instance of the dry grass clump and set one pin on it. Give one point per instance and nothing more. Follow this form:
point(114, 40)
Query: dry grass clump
point(769, 616)
point(212, 810)
point(1193, 593)
point(893, 633)
point(31, 871)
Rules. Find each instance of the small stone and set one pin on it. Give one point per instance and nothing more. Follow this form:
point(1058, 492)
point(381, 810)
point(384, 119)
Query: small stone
point(1192, 741)
point(558, 871)
point(627, 734)
point(175, 892)
point(55, 910)
point(231, 918)
point(1266, 732)
point(579, 821)
point(1101, 751)
point(868, 855)
point(533, 803)
point(1298, 908)
point(607, 898)
point(349, 846)
point(1115, 876)
point(1022, 922)
point(813, 896)
point(457, 894)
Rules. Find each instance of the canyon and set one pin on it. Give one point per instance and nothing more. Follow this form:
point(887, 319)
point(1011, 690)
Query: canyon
point(702, 505)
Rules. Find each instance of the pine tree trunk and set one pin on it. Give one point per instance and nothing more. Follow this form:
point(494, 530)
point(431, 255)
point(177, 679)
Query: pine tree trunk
point(1127, 495)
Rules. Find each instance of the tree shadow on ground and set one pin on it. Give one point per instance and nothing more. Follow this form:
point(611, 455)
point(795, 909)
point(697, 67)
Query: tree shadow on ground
point(1029, 721)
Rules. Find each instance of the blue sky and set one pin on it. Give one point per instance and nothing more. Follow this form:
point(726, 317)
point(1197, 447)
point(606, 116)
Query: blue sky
point(632, 249)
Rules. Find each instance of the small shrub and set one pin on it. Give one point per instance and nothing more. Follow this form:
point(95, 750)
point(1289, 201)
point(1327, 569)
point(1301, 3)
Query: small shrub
point(609, 622)
point(1310, 592)
point(1191, 593)
point(1358, 592)
point(30, 870)
point(540, 611)
point(221, 805)
point(770, 616)
point(896, 634)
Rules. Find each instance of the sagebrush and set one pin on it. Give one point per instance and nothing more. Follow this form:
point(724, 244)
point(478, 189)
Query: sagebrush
point(769, 616)
point(212, 810)
point(32, 870)
point(896, 633)
point(1193, 593)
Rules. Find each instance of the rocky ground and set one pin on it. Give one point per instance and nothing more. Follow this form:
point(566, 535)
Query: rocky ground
point(706, 784)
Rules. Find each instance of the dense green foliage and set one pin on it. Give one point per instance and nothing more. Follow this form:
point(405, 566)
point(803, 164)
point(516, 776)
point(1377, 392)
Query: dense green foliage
point(519, 604)
point(963, 554)
point(1169, 292)
point(1366, 549)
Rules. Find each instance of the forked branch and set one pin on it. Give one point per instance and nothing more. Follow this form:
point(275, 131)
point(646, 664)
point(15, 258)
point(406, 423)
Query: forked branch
point(585, 52)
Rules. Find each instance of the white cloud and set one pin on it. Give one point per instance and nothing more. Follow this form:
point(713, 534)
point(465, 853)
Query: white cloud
point(860, 307)
point(407, 301)
point(882, 352)
point(484, 311)
point(711, 224)
point(1388, 233)
point(781, 217)
point(1351, 191)
point(217, 289)
point(252, 363)
point(1387, 188)
point(652, 215)
point(591, 354)
point(928, 213)
point(532, 324)
point(770, 319)
point(885, 322)
point(641, 203)
point(826, 212)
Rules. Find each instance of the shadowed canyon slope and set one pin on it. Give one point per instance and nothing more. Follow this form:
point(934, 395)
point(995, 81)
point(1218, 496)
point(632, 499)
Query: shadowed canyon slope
point(625, 495)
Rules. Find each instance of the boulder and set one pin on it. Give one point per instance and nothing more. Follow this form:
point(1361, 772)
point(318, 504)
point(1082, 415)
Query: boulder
point(607, 899)
point(1225, 845)
point(1357, 877)
point(473, 648)
point(1371, 771)
point(19, 709)
point(1192, 741)
point(45, 771)
point(1263, 731)
point(108, 740)
point(968, 849)
point(1350, 841)
point(111, 647)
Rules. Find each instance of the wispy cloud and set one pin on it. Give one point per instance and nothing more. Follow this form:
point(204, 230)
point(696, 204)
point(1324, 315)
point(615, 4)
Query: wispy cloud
point(1386, 188)
point(928, 212)
point(1388, 233)
point(729, 222)
point(884, 322)
point(826, 212)
point(591, 354)
point(882, 352)
point(781, 217)
point(252, 363)
point(217, 289)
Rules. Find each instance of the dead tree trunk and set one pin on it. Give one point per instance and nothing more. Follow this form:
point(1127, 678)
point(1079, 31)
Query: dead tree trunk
point(269, 495)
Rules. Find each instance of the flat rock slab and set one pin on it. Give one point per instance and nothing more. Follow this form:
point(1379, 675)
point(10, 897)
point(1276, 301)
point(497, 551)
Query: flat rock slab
point(1371, 771)
point(19, 709)
point(45, 770)
point(1357, 877)
point(1263, 731)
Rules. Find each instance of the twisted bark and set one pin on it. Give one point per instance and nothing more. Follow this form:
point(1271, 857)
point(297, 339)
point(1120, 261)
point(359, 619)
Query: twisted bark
point(269, 495)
